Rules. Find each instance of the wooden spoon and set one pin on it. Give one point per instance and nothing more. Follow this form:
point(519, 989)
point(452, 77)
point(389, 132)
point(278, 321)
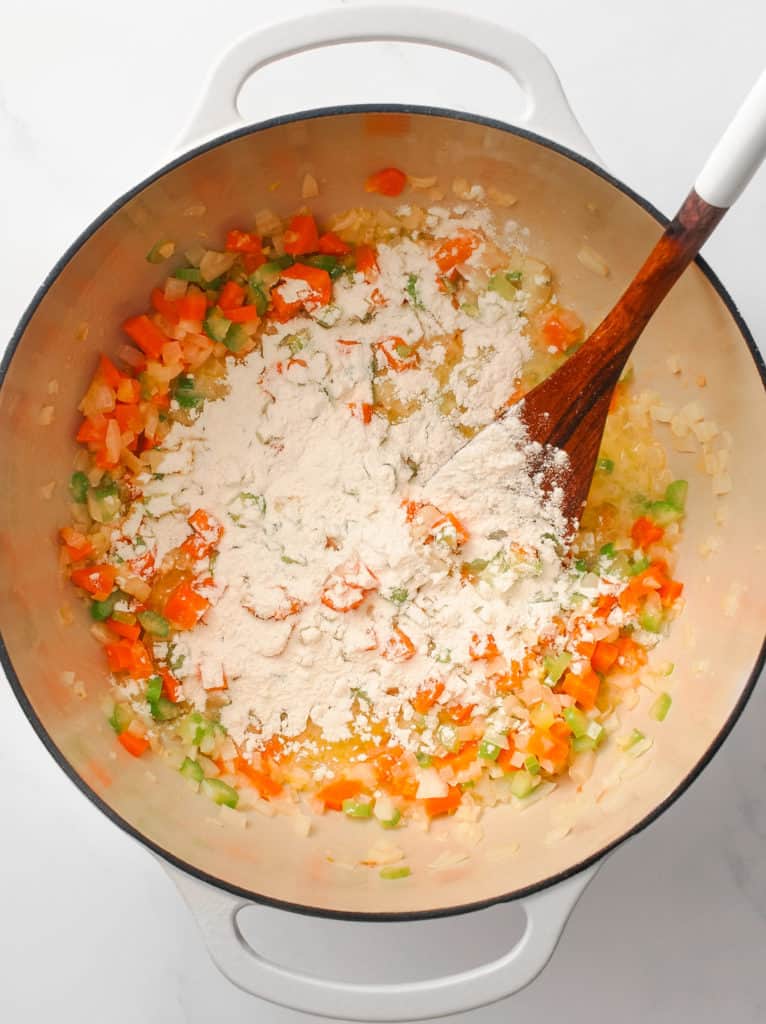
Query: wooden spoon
point(570, 407)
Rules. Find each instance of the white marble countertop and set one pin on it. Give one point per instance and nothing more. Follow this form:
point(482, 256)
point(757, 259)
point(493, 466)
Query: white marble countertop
point(91, 97)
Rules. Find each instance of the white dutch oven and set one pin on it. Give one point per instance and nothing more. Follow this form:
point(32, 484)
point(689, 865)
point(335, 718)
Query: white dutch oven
point(564, 197)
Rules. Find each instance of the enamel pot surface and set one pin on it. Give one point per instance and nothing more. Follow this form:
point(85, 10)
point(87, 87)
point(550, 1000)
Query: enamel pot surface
point(564, 199)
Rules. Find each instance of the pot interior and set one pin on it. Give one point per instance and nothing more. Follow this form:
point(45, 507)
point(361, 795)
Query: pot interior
point(716, 642)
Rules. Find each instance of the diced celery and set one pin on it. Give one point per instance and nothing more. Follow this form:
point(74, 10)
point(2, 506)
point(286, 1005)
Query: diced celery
point(638, 566)
point(423, 759)
point(386, 812)
point(608, 550)
point(121, 717)
point(185, 392)
point(514, 276)
point(576, 720)
point(393, 821)
point(164, 710)
point(398, 595)
point(268, 274)
point(236, 338)
point(661, 706)
point(651, 621)
point(522, 784)
point(403, 350)
point(470, 309)
point(503, 286)
point(489, 751)
point(78, 487)
point(448, 737)
point(257, 296)
point(581, 743)
point(193, 728)
point(191, 770)
point(596, 732)
point(160, 252)
point(605, 465)
point(532, 764)
point(476, 566)
point(104, 501)
point(191, 274)
point(216, 325)
point(324, 261)
point(102, 610)
point(581, 565)
point(357, 808)
point(392, 871)
point(153, 689)
point(220, 792)
point(636, 736)
point(663, 513)
point(412, 291)
point(154, 623)
point(555, 665)
point(676, 493)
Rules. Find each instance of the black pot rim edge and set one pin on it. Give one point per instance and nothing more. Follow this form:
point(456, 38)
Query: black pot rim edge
point(190, 869)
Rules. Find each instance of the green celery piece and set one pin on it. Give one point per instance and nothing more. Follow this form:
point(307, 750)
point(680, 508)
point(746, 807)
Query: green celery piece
point(532, 765)
point(154, 623)
point(663, 513)
point(635, 737)
point(153, 689)
point(393, 821)
point(191, 770)
point(268, 274)
point(676, 493)
point(583, 743)
point(608, 551)
point(470, 309)
point(556, 665)
point(257, 296)
point(78, 487)
point(185, 393)
point(102, 610)
point(160, 251)
point(514, 276)
point(220, 792)
point(193, 729)
point(489, 751)
point(191, 274)
point(423, 759)
point(258, 500)
point(104, 501)
point(502, 284)
point(659, 710)
point(638, 566)
point(121, 717)
point(403, 350)
point(323, 261)
point(605, 465)
point(392, 872)
point(398, 595)
point(164, 710)
point(412, 291)
point(477, 565)
point(581, 565)
point(522, 784)
point(651, 622)
point(236, 338)
point(216, 325)
point(577, 721)
point(354, 808)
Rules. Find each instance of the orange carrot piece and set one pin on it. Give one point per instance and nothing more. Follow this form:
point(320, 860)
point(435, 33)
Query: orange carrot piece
point(644, 532)
point(146, 335)
point(483, 648)
point(389, 181)
point(455, 250)
point(562, 329)
point(301, 235)
point(98, 580)
point(135, 745)
point(243, 241)
point(262, 781)
point(184, 606)
point(604, 656)
point(583, 688)
point(331, 245)
point(367, 262)
point(334, 793)
point(438, 805)
point(427, 696)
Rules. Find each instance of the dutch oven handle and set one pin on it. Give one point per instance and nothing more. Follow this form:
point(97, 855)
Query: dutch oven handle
point(216, 913)
point(547, 110)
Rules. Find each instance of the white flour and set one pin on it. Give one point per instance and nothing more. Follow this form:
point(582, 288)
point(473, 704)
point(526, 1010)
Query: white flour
point(305, 488)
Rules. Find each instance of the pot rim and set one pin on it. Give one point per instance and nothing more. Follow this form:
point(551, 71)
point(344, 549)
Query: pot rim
point(15, 682)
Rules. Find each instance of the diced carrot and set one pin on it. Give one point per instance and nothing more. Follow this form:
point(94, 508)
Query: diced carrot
point(206, 526)
point(562, 329)
point(193, 305)
point(166, 307)
point(129, 656)
point(301, 235)
point(146, 335)
point(318, 291)
point(449, 524)
point(124, 629)
point(389, 181)
point(397, 353)
point(631, 656)
point(332, 245)
point(483, 648)
point(184, 606)
point(604, 656)
point(243, 315)
point(76, 544)
point(438, 805)
point(583, 688)
point(135, 745)
point(366, 261)
point(129, 391)
point(334, 793)
point(108, 372)
point(460, 713)
point(398, 646)
point(252, 260)
point(262, 781)
point(232, 295)
point(243, 241)
point(604, 605)
point(455, 250)
point(670, 591)
point(361, 411)
point(346, 588)
point(461, 759)
point(644, 532)
point(504, 757)
point(129, 418)
point(98, 580)
point(427, 696)
point(93, 429)
point(170, 685)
